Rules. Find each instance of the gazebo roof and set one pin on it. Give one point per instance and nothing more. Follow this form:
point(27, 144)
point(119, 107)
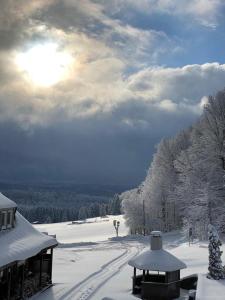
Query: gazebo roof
point(6, 203)
point(157, 260)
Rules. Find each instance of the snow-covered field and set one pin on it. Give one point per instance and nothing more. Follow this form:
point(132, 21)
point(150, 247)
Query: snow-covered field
point(90, 263)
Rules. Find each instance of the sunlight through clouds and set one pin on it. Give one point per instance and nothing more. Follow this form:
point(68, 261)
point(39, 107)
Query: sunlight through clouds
point(44, 64)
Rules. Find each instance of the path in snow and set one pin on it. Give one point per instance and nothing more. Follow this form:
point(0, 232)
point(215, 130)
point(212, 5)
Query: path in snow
point(88, 287)
point(86, 262)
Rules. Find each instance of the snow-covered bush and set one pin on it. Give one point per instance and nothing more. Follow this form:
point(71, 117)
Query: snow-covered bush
point(216, 270)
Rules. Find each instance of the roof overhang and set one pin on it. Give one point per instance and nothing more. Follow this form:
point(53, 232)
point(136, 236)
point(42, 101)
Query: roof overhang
point(157, 260)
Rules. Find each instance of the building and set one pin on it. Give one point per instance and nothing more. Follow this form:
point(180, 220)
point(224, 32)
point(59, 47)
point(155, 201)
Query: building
point(25, 257)
point(160, 272)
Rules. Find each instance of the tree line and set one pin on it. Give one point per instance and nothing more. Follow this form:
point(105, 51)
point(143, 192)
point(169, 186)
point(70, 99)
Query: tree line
point(187, 170)
point(60, 206)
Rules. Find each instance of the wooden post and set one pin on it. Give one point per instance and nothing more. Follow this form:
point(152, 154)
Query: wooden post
point(22, 281)
point(51, 265)
point(143, 275)
point(9, 282)
point(40, 276)
point(134, 280)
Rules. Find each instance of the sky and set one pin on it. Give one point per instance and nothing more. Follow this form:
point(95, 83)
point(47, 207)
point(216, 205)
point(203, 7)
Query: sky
point(89, 87)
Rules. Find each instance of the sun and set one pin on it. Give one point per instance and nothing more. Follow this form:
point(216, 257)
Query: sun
point(44, 64)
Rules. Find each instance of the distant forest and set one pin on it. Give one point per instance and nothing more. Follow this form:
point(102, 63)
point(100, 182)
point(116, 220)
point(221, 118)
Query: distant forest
point(59, 203)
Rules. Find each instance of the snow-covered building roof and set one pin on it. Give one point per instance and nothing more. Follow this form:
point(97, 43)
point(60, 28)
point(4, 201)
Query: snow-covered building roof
point(22, 241)
point(6, 202)
point(157, 259)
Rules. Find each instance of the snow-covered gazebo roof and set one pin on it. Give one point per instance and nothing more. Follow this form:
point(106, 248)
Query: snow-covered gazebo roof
point(22, 241)
point(157, 259)
point(6, 203)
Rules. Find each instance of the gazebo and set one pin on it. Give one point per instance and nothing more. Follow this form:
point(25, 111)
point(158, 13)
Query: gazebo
point(160, 276)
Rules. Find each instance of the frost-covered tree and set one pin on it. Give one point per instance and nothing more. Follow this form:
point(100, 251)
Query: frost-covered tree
point(201, 191)
point(115, 205)
point(213, 135)
point(188, 170)
point(216, 270)
point(162, 178)
point(132, 206)
point(82, 215)
point(191, 192)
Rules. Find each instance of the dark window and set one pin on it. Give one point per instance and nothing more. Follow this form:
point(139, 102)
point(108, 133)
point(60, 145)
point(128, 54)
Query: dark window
point(6, 219)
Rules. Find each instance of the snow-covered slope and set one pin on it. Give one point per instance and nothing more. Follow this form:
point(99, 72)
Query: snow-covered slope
point(90, 264)
point(92, 230)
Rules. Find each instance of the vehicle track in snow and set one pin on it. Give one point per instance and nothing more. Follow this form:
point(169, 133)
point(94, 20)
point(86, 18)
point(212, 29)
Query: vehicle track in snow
point(85, 289)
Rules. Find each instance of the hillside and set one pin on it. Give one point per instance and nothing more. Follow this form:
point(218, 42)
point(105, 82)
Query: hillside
point(90, 263)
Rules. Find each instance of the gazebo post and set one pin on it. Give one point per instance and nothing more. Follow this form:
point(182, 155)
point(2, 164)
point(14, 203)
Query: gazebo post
point(143, 275)
point(134, 280)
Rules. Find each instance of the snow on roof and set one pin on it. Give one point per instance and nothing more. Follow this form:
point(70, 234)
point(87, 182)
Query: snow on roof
point(208, 289)
point(6, 202)
point(157, 260)
point(22, 241)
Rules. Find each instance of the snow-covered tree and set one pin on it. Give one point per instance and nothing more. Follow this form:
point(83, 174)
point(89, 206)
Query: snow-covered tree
point(132, 206)
point(162, 178)
point(115, 205)
point(187, 170)
point(82, 215)
point(216, 270)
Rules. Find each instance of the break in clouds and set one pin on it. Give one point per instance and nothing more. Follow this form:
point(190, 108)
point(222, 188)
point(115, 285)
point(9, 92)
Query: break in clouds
point(131, 80)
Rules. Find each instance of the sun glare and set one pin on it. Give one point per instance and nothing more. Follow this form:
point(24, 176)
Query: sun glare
point(44, 64)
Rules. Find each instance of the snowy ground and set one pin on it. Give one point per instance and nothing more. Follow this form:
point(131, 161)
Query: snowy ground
point(90, 263)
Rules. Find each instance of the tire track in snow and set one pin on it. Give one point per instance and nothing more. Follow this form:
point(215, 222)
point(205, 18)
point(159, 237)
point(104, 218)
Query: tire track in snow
point(91, 284)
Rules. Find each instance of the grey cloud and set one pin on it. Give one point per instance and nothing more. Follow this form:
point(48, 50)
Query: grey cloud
point(102, 123)
point(100, 149)
point(15, 21)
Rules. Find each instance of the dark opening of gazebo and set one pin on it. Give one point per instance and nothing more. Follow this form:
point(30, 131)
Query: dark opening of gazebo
point(160, 272)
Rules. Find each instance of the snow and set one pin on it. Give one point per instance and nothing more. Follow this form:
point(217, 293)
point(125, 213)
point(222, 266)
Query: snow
point(209, 289)
point(90, 263)
point(157, 260)
point(22, 241)
point(93, 230)
point(6, 203)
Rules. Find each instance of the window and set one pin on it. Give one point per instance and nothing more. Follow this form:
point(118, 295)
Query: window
point(6, 219)
point(9, 218)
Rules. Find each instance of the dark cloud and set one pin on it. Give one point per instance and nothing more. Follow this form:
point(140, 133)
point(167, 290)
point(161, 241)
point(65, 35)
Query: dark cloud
point(102, 150)
point(101, 123)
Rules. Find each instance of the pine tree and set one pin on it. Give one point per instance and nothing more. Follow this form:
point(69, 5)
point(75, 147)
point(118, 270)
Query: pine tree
point(216, 270)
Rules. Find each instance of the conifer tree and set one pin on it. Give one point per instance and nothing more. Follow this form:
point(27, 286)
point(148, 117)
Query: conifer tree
point(216, 270)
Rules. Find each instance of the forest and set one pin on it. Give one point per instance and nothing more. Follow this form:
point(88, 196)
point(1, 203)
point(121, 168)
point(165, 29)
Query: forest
point(61, 202)
point(187, 175)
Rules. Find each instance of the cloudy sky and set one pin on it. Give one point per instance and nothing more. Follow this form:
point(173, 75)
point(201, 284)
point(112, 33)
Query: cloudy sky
point(88, 87)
